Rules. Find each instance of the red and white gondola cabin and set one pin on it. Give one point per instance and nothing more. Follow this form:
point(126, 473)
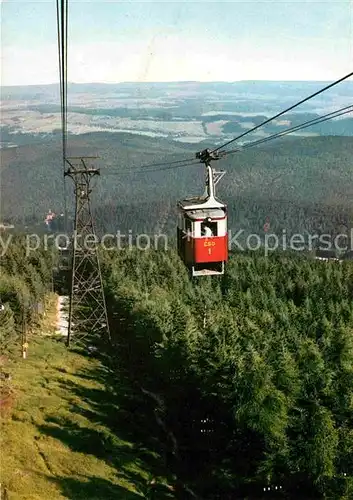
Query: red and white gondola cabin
point(202, 233)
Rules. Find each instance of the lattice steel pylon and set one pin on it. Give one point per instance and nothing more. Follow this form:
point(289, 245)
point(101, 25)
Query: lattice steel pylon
point(87, 311)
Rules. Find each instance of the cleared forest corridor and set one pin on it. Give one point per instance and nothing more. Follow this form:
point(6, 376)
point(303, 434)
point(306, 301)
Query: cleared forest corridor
point(67, 434)
point(62, 314)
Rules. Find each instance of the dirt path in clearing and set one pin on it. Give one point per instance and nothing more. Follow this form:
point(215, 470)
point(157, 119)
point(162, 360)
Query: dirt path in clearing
point(62, 315)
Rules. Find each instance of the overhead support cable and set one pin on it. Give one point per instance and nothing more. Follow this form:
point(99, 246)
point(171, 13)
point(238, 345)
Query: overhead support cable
point(139, 170)
point(296, 128)
point(62, 32)
point(166, 163)
point(285, 111)
point(147, 171)
point(150, 167)
point(320, 119)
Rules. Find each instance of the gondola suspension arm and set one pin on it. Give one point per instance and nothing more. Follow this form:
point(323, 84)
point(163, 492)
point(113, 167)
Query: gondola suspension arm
point(212, 176)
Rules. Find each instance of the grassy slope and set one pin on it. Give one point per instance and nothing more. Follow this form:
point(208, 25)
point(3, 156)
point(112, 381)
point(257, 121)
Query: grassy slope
point(63, 439)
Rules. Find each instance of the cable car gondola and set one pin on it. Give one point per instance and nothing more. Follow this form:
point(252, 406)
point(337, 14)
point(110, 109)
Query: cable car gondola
point(202, 227)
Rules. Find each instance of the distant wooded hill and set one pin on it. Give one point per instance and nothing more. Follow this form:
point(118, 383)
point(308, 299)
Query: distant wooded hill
point(247, 87)
point(299, 184)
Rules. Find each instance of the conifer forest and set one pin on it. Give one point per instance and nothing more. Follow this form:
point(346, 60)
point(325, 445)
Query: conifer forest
point(240, 382)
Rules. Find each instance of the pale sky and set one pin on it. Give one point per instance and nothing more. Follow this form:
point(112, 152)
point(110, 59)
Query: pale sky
point(115, 41)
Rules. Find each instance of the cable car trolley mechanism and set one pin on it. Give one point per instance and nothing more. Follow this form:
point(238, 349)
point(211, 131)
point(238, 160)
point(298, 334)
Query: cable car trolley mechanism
point(202, 226)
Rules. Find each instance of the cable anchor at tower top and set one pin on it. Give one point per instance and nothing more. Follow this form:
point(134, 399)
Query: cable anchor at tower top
point(78, 165)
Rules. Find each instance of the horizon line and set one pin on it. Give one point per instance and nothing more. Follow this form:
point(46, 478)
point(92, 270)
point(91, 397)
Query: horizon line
point(132, 82)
